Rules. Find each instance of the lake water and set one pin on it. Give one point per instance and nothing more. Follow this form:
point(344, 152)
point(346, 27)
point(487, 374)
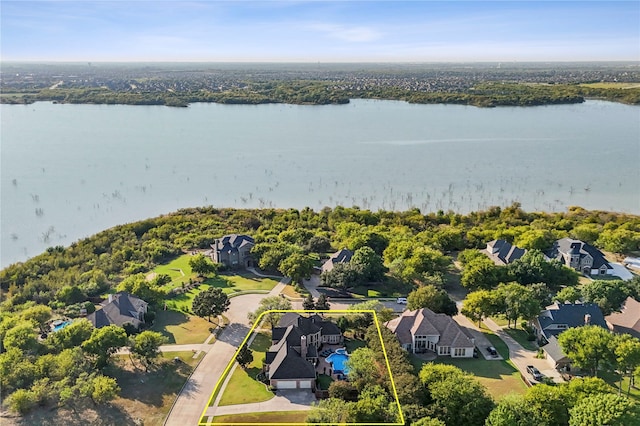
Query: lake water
point(69, 171)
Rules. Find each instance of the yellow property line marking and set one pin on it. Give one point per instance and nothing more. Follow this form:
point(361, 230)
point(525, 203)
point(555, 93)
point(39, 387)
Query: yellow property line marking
point(300, 311)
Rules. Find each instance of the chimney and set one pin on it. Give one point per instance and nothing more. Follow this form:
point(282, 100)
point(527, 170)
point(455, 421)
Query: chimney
point(587, 319)
point(110, 298)
point(303, 346)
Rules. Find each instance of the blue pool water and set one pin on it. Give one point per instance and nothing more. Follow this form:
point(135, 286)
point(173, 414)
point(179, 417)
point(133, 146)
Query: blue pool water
point(59, 327)
point(338, 360)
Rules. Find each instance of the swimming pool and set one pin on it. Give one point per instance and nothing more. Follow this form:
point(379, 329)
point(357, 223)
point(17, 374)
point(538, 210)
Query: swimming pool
point(60, 326)
point(338, 361)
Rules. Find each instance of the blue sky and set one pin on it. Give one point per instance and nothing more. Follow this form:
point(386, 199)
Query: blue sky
point(311, 31)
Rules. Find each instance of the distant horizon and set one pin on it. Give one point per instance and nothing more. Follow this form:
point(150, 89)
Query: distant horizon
point(319, 31)
point(132, 62)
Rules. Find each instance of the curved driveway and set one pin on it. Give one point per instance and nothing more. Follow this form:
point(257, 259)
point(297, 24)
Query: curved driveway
point(194, 396)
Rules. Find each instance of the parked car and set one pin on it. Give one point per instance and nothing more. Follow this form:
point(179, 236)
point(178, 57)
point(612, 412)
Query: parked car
point(492, 351)
point(535, 373)
point(401, 300)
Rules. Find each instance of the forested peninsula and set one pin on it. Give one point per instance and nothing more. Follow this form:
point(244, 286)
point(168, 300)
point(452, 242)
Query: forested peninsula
point(75, 367)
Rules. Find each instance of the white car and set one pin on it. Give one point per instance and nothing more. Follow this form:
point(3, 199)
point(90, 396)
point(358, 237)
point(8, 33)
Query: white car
point(401, 300)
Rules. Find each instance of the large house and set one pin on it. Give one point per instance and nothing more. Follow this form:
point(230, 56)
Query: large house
point(503, 252)
point(341, 256)
point(580, 256)
point(423, 330)
point(554, 354)
point(291, 359)
point(627, 320)
point(120, 309)
point(233, 250)
point(559, 317)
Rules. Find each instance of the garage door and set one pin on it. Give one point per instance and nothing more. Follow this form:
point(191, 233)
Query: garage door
point(285, 384)
point(305, 384)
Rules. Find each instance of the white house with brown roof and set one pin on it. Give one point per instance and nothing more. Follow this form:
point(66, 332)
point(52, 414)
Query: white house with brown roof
point(627, 320)
point(423, 330)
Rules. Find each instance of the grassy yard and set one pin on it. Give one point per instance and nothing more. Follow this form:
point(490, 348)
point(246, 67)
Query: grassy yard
point(179, 271)
point(353, 344)
point(520, 336)
point(241, 282)
point(228, 284)
point(180, 328)
point(499, 377)
point(390, 288)
point(614, 380)
point(243, 387)
point(277, 417)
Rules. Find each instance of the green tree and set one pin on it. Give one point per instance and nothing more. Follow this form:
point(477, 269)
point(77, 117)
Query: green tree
point(22, 337)
point(479, 305)
point(70, 295)
point(139, 286)
point(22, 401)
point(428, 421)
point(201, 265)
point(245, 356)
point(428, 296)
point(627, 352)
point(605, 409)
point(590, 347)
point(104, 342)
point(72, 335)
point(102, 389)
point(519, 301)
point(38, 314)
point(568, 294)
point(363, 369)
point(609, 295)
point(146, 347)
point(308, 304)
point(211, 301)
point(322, 304)
point(297, 266)
point(368, 264)
point(343, 390)
point(270, 255)
point(513, 410)
point(482, 273)
point(268, 304)
point(619, 240)
point(330, 411)
point(460, 400)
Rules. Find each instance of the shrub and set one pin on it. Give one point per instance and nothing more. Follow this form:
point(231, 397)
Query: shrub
point(22, 400)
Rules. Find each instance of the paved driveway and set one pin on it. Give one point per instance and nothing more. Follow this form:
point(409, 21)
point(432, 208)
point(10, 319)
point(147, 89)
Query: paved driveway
point(194, 396)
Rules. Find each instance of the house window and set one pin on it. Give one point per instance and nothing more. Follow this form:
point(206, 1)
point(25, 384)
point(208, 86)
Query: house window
point(459, 352)
point(444, 350)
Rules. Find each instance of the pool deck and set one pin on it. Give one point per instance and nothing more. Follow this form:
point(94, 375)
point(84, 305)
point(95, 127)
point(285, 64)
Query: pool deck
point(325, 367)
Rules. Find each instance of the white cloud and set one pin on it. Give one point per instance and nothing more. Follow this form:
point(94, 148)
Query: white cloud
point(359, 34)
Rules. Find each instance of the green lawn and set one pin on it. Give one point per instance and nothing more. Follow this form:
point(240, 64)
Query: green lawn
point(180, 328)
point(614, 380)
point(276, 417)
point(243, 388)
point(390, 288)
point(228, 284)
point(499, 377)
point(241, 282)
point(500, 320)
point(353, 344)
point(520, 336)
point(497, 343)
point(174, 268)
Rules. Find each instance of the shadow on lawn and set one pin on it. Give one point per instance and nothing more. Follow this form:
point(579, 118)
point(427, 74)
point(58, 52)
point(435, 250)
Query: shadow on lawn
point(169, 318)
point(77, 414)
point(150, 388)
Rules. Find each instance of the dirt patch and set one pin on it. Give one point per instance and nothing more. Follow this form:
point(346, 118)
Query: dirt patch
point(151, 276)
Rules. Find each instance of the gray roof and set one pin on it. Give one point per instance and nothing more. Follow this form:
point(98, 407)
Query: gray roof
point(288, 364)
point(569, 245)
point(306, 325)
point(342, 256)
point(571, 315)
point(232, 242)
point(503, 252)
point(554, 351)
point(122, 309)
point(424, 322)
